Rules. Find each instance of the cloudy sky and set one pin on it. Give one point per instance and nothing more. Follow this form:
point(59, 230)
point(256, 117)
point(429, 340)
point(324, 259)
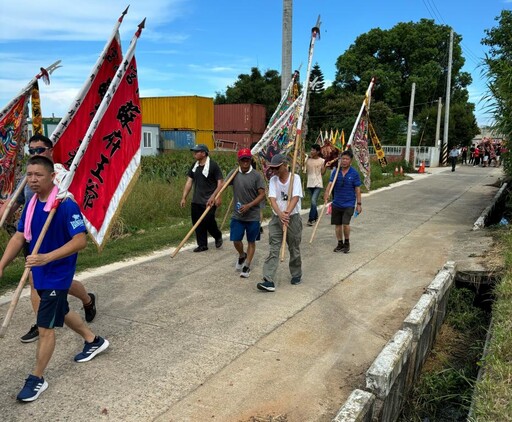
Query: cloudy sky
point(199, 47)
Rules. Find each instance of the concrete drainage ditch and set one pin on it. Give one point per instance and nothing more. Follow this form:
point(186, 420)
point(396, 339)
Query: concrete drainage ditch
point(395, 370)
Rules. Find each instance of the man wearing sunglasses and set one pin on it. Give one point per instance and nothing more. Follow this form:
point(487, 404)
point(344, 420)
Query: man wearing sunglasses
point(346, 194)
point(41, 145)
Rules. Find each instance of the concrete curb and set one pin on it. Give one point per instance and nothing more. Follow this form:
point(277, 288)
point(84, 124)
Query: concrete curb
point(480, 222)
point(357, 408)
point(393, 373)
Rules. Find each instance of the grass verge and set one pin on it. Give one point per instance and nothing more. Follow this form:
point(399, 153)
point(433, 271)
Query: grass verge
point(493, 394)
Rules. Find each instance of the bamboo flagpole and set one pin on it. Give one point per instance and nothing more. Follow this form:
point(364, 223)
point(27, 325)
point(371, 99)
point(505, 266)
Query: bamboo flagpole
point(325, 204)
point(44, 73)
point(12, 200)
point(315, 31)
point(351, 138)
point(226, 215)
point(203, 215)
point(21, 284)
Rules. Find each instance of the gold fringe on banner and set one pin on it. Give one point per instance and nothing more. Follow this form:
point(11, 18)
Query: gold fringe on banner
point(37, 117)
point(377, 146)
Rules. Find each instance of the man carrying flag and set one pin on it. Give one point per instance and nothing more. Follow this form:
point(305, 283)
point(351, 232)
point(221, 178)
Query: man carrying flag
point(40, 145)
point(346, 193)
point(285, 213)
point(53, 267)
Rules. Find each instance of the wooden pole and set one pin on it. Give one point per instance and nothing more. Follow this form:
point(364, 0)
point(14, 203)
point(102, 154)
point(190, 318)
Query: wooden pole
point(227, 213)
point(290, 191)
point(21, 284)
point(13, 198)
point(203, 215)
point(325, 204)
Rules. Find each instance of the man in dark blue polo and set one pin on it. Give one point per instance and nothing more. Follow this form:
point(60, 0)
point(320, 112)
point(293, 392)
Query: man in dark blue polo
point(346, 198)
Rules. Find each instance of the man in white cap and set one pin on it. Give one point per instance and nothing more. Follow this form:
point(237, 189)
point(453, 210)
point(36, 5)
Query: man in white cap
point(285, 213)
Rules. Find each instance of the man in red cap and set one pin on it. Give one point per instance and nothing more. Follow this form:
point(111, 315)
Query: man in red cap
point(248, 192)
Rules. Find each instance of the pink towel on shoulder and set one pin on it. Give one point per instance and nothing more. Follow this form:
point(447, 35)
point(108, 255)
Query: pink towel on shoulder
point(27, 233)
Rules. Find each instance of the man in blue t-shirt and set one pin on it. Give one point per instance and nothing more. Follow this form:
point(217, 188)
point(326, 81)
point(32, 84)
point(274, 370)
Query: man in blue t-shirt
point(53, 267)
point(346, 194)
point(41, 145)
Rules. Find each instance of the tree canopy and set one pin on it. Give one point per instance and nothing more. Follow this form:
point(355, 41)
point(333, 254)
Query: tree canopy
point(498, 69)
point(409, 52)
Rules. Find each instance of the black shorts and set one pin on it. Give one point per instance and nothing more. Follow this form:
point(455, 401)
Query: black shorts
point(341, 216)
point(52, 308)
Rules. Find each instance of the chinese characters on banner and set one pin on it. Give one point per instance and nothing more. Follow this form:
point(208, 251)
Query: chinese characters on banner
point(112, 157)
point(69, 134)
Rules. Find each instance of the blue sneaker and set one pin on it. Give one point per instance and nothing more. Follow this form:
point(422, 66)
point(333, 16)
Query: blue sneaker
point(266, 286)
point(296, 280)
point(91, 350)
point(33, 387)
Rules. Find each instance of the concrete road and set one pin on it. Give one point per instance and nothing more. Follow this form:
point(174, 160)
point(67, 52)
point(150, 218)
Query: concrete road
point(192, 341)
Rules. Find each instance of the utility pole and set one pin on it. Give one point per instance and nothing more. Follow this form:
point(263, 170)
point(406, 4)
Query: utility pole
point(444, 149)
point(409, 125)
point(286, 64)
point(438, 124)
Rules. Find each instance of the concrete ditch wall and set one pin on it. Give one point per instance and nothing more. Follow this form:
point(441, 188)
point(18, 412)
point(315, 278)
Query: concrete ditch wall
point(394, 371)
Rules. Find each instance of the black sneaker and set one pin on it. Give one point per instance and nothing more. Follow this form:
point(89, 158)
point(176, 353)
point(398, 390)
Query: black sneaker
point(246, 272)
point(261, 230)
point(266, 286)
point(339, 248)
point(346, 248)
point(32, 335)
point(90, 309)
point(218, 243)
point(240, 262)
point(201, 249)
point(310, 223)
point(296, 280)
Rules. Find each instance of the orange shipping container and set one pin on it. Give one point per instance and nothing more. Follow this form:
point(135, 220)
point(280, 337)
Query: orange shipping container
point(240, 118)
point(178, 113)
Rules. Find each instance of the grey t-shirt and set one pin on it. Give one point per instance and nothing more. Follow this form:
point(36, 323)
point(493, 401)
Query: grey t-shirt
point(245, 190)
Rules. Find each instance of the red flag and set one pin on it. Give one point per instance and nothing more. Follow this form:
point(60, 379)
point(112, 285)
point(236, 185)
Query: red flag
point(108, 159)
point(112, 157)
point(71, 130)
point(13, 135)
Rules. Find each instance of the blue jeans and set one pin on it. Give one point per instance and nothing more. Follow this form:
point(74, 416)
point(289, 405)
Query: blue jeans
point(313, 211)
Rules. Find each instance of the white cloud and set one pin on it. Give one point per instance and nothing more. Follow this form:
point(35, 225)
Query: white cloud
point(84, 21)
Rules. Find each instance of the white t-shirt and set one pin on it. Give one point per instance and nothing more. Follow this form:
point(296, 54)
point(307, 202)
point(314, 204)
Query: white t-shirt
point(314, 171)
point(279, 190)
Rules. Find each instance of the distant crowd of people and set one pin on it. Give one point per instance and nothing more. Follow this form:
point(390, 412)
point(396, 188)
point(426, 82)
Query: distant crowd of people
point(485, 154)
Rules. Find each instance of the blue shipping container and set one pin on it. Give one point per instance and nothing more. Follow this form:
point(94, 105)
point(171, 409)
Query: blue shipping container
point(178, 139)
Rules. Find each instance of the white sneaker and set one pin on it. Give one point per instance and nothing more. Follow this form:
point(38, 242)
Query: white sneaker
point(246, 272)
